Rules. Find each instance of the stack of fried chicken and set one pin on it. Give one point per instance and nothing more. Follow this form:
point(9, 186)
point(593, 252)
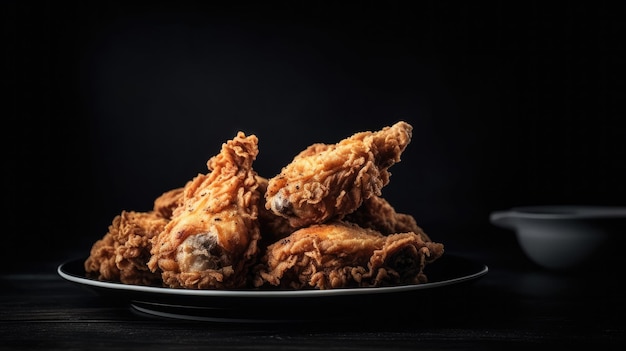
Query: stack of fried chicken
point(321, 223)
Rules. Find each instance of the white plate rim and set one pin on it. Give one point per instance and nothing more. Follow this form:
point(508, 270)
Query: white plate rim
point(263, 293)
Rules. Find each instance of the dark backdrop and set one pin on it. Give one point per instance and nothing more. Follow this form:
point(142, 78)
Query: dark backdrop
point(112, 103)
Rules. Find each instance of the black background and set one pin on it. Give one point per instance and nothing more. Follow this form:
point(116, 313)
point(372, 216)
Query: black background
point(110, 104)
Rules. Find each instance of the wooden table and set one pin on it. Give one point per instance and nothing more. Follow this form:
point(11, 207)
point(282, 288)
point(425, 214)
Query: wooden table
point(515, 305)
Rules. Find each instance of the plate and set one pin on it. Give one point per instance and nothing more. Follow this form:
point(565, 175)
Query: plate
point(243, 306)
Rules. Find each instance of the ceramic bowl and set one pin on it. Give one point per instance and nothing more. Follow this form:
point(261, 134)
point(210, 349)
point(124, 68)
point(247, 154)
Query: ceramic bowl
point(564, 237)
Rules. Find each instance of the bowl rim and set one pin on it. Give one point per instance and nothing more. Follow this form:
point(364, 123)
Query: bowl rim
point(566, 212)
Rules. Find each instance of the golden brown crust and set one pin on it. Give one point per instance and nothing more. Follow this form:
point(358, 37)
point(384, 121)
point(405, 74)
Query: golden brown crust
point(319, 224)
point(211, 239)
point(342, 255)
point(326, 182)
point(122, 254)
point(378, 214)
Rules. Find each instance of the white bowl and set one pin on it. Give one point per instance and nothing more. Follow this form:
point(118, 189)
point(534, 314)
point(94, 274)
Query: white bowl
point(564, 237)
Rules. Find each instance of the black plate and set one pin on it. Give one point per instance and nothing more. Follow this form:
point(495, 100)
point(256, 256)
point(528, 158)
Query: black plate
point(279, 306)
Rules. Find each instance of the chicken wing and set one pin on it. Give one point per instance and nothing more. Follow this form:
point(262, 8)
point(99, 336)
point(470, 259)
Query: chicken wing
point(342, 255)
point(326, 182)
point(211, 239)
point(123, 253)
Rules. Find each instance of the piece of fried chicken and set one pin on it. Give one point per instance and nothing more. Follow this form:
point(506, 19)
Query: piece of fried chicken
point(343, 255)
point(326, 182)
point(211, 239)
point(378, 214)
point(123, 253)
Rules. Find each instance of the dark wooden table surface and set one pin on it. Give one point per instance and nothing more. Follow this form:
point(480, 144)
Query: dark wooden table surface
point(515, 305)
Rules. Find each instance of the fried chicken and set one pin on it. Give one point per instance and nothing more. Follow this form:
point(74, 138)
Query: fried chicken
point(326, 182)
point(378, 214)
point(321, 223)
point(122, 254)
point(211, 239)
point(343, 255)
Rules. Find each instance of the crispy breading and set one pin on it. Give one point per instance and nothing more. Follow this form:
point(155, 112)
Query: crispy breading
point(121, 255)
point(327, 182)
point(321, 223)
point(343, 255)
point(211, 239)
point(378, 214)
